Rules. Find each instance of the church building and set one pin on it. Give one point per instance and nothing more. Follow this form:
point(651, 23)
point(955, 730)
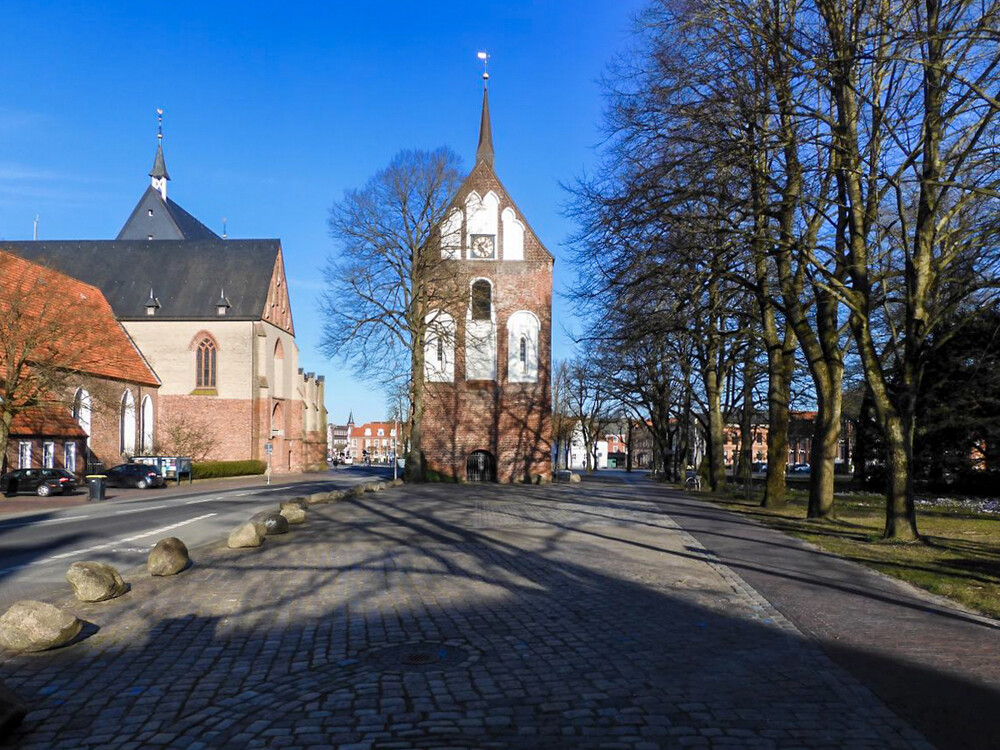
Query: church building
point(212, 317)
point(488, 357)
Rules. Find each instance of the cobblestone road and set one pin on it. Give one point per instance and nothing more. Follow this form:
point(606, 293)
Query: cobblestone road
point(450, 617)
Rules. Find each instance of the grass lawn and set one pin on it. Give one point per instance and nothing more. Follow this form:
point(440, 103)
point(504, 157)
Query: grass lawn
point(958, 556)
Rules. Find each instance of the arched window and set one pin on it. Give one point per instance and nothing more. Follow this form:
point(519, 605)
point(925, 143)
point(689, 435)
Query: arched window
point(147, 424)
point(206, 364)
point(126, 430)
point(81, 409)
point(522, 347)
point(279, 369)
point(482, 300)
point(439, 347)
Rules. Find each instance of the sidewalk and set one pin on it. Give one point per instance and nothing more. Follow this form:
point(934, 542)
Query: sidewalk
point(930, 661)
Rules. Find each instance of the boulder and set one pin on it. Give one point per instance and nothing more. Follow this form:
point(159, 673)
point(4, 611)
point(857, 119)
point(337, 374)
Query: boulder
point(293, 514)
point(246, 535)
point(295, 502)
point(397, 482)
point(169, 557)
point(337, 496)
point(540, 479)
point(272, 521)
point(575, 478)
point(319, 497)
point(36, 626)
point(95, 581)
point(358, 490)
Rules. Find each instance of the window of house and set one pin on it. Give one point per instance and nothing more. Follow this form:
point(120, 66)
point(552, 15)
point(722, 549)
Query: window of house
point(127, 424)
point(440, 352)
point(381, 431)
point(48, 455)
point(206, 364)
point(368, 432)
point(24, 454)
point(482, 300)
point(69, 457)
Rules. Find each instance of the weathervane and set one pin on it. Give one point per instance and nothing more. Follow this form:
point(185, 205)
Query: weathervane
point(159, 124)
point(486, 73)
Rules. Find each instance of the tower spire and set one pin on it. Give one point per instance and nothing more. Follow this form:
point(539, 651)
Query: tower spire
point(484, 152)
point(158, 174)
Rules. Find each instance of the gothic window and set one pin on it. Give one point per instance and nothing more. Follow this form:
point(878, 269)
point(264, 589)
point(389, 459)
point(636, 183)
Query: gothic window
point(147, 424)
point(81, 409)
point(522, 347)
point(206, 364)
point(439, 347)
point(126, 429)
point(482, 300)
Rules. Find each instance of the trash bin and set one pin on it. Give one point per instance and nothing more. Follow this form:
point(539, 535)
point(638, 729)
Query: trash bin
point(96, 486)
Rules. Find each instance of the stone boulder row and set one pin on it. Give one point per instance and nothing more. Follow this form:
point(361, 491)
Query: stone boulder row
point(298, 502)
point(337, 496)
point(95, 581)
point(245, 535)
point(358, 490)
point(272, 521)
point(575, 478)
point(293, 513)
point(169, 557)
point(36, 626)
point(319, 497)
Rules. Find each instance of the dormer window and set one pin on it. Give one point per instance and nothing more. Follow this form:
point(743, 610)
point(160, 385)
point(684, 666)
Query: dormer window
point(222, 305)
point(152, 304)
point(149, 236)
point(150, 212)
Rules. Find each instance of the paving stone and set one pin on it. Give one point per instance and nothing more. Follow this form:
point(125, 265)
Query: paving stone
point(464, 616)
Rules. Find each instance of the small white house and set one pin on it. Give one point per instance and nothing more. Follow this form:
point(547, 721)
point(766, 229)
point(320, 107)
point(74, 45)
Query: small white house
point(577, 451)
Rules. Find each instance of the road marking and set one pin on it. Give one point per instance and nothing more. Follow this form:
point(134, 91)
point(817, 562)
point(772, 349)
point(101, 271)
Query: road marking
point(98, 547)
point(137, 510)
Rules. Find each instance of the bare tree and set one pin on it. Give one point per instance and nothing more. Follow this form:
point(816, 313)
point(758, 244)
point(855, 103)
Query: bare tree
point(388, 282)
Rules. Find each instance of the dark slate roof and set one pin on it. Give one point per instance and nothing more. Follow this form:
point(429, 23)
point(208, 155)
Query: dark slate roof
point(185, 276)
point(484, 150)
point(167, 222)
point(159, 164)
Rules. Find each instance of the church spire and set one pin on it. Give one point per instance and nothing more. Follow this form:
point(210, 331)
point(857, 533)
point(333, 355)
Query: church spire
point(158, 174)
point(484, 152)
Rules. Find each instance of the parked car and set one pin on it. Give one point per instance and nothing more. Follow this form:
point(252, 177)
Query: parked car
point(799, 469)
point(758, 467)
point(134, 475)
point(43, 482)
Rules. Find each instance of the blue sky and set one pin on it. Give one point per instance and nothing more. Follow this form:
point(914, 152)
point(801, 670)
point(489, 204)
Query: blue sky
point(274, 109)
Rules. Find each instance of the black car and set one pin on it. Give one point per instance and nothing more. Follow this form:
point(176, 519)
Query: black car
point(133, 475)
point(43, 482)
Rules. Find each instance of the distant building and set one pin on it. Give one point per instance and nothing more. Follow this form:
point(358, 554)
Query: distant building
point(338, 438)
point(375, 441)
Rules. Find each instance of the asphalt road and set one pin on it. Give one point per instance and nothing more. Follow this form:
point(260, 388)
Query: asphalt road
point(37, 549)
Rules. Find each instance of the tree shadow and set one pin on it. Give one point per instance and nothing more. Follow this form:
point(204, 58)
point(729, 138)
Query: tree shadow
point(566, 634)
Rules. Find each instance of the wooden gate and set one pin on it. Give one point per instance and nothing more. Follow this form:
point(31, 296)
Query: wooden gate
point(480, 466)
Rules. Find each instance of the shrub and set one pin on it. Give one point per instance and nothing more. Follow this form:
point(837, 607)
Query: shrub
point(209, 469)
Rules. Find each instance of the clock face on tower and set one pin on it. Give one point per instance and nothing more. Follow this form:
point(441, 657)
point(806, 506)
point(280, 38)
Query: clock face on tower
point(483, 246)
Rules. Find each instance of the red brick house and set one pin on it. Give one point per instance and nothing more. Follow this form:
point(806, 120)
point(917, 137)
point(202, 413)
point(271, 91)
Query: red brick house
point(85, 395)
point(487, 363)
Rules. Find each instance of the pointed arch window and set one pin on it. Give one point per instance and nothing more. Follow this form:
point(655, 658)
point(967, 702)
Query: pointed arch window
point(482, 300)
point(206, 372)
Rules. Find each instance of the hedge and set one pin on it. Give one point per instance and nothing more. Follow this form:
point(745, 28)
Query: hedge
point(208, 469)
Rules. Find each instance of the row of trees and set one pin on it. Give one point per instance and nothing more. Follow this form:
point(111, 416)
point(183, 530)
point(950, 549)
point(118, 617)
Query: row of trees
point(811, 180)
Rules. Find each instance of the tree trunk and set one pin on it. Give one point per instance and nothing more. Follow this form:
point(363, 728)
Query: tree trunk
point(781, 367)
point(414, 470)
point(900, 512)
point(716, 462)
point(628, 446)
point(826, 437)
point(746, 419)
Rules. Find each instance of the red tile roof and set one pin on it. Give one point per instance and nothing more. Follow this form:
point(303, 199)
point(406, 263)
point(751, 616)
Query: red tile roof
point(45, 421)
point(80, 331)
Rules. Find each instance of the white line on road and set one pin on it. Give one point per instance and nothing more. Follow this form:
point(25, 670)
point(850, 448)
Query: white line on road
point(139, 510)
point(98, 547)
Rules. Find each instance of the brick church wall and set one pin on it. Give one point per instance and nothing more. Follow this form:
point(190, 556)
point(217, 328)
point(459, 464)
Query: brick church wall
point(510, 420)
